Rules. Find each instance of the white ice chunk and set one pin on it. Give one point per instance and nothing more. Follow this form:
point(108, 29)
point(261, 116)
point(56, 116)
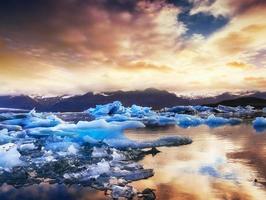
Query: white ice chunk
point(72, 150)
point(29, 146)
point(9, 156)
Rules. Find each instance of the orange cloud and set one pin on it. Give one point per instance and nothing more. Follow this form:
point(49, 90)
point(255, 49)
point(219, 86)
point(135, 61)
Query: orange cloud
point(97, 45)
point(238, 65)
point(144, 66)
point(256, 81)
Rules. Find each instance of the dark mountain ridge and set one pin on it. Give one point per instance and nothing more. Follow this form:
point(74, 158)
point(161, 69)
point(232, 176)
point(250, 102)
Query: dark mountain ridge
point(154, 98)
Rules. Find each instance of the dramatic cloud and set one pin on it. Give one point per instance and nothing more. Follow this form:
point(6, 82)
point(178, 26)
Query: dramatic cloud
point(73, 46)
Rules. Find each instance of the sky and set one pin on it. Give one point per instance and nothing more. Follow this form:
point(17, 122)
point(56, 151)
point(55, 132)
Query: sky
point(200, 47)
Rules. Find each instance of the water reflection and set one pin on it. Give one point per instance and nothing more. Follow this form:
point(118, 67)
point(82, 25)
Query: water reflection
point(222, 163)
point(50, 192)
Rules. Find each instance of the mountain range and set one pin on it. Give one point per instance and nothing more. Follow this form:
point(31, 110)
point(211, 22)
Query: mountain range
point(151, 97)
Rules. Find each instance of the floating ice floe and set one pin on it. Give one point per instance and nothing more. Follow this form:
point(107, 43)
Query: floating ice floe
point(214, 121)
point(259, 124)
point(164, 141)
point(31, 120)
point(9, 156)
point(184, 120)
point(117, 109)
point(182, 109)
point(97, 129)
point(107, 109)
point(91, 153)
point(259, 121)
point(183, 116)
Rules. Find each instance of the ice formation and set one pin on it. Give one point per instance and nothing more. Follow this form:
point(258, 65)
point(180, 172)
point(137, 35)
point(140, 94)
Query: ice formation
point(95, 152)
point(214, 121)
point(9, 156)
point(184, 116)
point(37, 146)
point(259, 124)
point(182, 109)
point(185, 120)
point(31, 120)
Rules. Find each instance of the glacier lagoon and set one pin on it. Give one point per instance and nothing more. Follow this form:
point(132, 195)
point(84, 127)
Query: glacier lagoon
point(125, 150)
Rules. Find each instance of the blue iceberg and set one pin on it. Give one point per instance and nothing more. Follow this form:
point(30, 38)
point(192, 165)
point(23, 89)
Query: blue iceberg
point(259, 124)
point(31, 120)
point(184, 120)
point(213, 121)
point(182, 109)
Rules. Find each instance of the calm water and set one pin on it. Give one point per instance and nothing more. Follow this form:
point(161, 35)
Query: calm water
point(221, 163)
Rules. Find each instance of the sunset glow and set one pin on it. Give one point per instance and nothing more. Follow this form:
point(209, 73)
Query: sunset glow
point(189, 46)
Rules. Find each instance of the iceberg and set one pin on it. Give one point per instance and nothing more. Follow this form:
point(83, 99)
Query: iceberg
point(199, 108)
point(107, 109)
point(139, 111)
point(181, 110)
point(96, 129)
point(134, 113)
point(183, 116)
point(9, 156)
point(27, 147)
point(32, 120)
point(184, 120)
point(259, 124)
point(264, 110)
point(158, 121)
point(117, 112)
point(5, 137)
point(225, 109)
point(164, 141)
point(214, 121)
point(10, 127)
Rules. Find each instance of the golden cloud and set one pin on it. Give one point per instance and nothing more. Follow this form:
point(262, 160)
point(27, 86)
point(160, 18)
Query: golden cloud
point(256, 81)
point(139, 66)
point(102, 46)
point(238, 65)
